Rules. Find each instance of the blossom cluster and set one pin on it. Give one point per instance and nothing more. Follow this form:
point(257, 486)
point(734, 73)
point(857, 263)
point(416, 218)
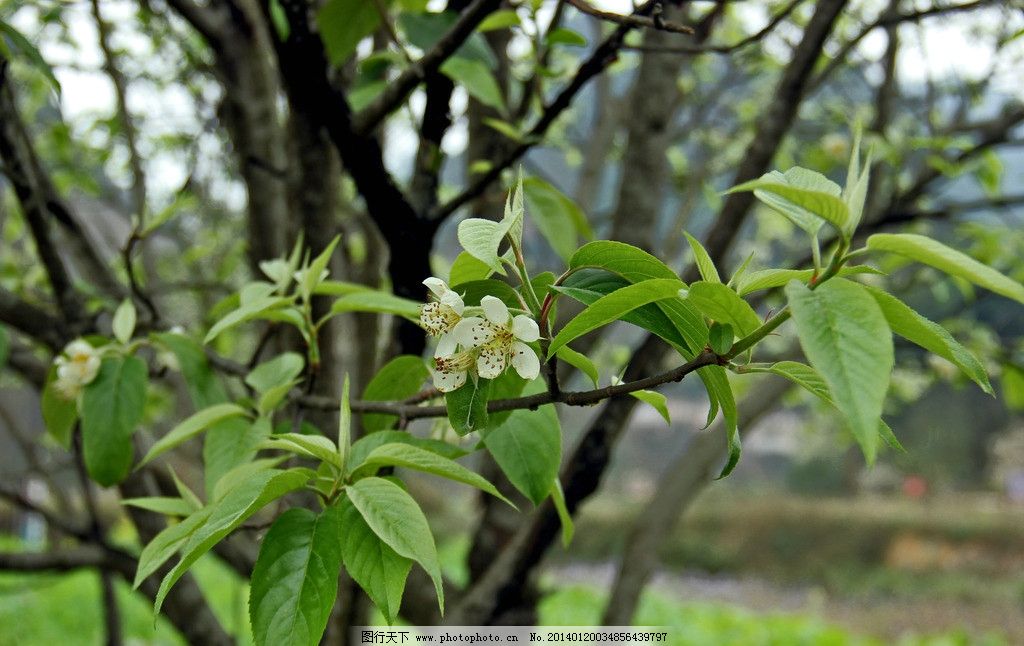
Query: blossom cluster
point(76, 367)
point(484, 346)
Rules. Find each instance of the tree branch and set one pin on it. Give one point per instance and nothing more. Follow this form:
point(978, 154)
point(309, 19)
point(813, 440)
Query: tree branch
point(631, 20)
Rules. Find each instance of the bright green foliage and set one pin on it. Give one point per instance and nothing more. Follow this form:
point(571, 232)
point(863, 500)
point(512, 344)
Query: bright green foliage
point(399, 378)
point(343, 23)
point(805, 197)
point(230, 443)
point(397, 520)
point(161, 505)
point(528, 448)
point(123, 324)
point(375, 566)
point(721, 304)
point(112, 406)
point(478, 80)
point(705, 265)
point(467, 406)
point(559, 220)
point(365, 445)
point(295, 578)
point(375, 301)
point(579, 361)
point(720, 337)
point(953, 262)
point(656, 400)
point(191, 427)
point(846, 338)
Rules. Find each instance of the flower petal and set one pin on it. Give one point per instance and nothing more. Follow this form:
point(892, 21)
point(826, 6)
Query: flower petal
point(525, 361)
point(448, 381)
point(495, 310)
point(454, 301)
point(473, 332)
point(491, 362)
point(446, 345)
point(433, 319)
point(436, 285)
point(525, 328)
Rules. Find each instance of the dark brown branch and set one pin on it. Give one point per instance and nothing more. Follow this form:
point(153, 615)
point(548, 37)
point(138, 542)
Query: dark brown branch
point(605, 54)
point(721, 49)
point(631, 20)
point(32, 321)
point(397, 90)
point(84, 556)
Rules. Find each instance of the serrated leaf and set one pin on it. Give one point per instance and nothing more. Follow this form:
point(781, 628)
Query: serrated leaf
point(721, 304)
point(557, 217)
point(123, 323)
point(237, 505)
point(613, 306)
point(397, 520)
point(112, 405)
point(915, 328)
point(400, 378)
point(579, 361)
point(192, 426)
point(528, 448)
point(378, 569)
point(705, 265)
point(313, 274)
point(932, 252)
point(467, 406)
point(845, 336)
point(295, 580)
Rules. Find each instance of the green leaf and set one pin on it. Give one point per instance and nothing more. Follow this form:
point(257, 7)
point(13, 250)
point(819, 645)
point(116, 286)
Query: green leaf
point(845, 336)
point(338, 288)
point(478, 80)
point(397, 520)
point(473, 291)
point(557, 217)
point(613, 306)
point(112, 405)
point(771, 278)
point(400, 378)
point(656, 400)
point(565, 36)
point(123, 323)
point(250, 310)
point(59, 413)
point(413, 457)
point(481, 239)
point(295, 580)
point(505, 128)
point(803, 196)
point(915, 328)
point(704, 263)
point(953, 262)
point(184, 491)
point(720, 337)
point(376, 301)
point(716, 380)
point(203, 386)
point(342, 24)
point(317, 269)
point(499, 20)
point(528, 448)
point(856, 189)
point(316, 447)
point(630, 262)
point(237, 505)
point(280, 370)
point(424, 30)
point(161, 505)
point(192, 426)
point(1013, 387)
point(378, 569)
point(366, 444)
point(564, 517)
point(229, 443)
point(579, 361)
point(466, 268)
point(14, 41)
point(467, 406)
point(721, 304)
point(344, 425)
point(165, 544)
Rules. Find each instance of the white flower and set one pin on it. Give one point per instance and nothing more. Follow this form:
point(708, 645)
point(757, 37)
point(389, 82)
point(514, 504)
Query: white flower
point(441, 316)
point(501, 340)
point(76, 367)
point(450, 370)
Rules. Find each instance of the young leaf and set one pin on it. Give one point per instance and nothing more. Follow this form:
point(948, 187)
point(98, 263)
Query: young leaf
point(467, 406)
point(915, 328)
point(295, 579)
point(192, 426)
point(716, 381)
point(705, 265)
point(366, 444)
point(413, 457)
point(378, 569)
point(656, 400)
point(770, 278)
point(282, 369)
point(316, 447)
point(247, 312)
point(165, 544)
point(229, 443)
point(528, 448)
point(803, 196)
point(237, 505)
point(579, 361)
point(397, 520)
point(721, 304)
point(112, 405)
point(481, 239)
point(564, 517)
point(466, 268)
point(856, 189)
point(400, 378)
point(59, 413)
point(953, 262)
point(123, 323)
point(558, 218)
point(613, 306)
point(846, 338)
point(344, 426)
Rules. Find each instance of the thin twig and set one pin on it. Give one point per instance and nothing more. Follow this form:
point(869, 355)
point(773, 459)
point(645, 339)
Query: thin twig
point(632, 20)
